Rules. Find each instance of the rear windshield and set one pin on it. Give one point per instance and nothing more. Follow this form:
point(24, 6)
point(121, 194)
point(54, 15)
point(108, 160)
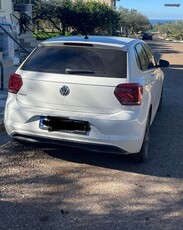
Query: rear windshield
point(86, 61)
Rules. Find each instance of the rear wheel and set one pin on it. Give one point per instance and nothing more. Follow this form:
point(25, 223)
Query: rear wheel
point(142, 156)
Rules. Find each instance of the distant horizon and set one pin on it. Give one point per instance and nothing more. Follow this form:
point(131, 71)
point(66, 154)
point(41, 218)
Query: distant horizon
point(156, 20)
point(166, 19)
point(163, 18)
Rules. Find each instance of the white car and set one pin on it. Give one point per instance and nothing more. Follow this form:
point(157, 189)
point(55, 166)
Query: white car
point(96, 92)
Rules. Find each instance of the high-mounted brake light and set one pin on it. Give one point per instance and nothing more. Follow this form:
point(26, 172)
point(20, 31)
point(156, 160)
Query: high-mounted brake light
point(15, 83)
point(129, 94)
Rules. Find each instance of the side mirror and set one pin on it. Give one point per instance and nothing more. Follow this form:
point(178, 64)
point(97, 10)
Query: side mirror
point(163, 63)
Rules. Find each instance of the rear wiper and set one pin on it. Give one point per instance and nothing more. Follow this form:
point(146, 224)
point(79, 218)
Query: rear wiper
point(78, 71)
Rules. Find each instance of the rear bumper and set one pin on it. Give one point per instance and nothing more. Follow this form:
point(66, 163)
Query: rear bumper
point(122, 132)
point(87, 146)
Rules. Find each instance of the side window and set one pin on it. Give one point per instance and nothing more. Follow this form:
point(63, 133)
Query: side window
point(142, 57)
point(137, 59)
point(150, 56)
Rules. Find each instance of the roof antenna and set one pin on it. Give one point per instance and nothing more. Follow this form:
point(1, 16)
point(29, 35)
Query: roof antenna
point(86, 37)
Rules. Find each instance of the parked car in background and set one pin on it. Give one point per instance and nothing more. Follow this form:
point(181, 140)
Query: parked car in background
point(96, 92)
point(147, 36)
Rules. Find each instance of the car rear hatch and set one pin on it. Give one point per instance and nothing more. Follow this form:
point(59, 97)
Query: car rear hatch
point(73, 77)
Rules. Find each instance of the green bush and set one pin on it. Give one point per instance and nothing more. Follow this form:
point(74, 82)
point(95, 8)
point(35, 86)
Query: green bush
point(47, 35)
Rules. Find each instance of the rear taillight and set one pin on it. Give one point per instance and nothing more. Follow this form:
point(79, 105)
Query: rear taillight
point(129, 94)
point(15, 83)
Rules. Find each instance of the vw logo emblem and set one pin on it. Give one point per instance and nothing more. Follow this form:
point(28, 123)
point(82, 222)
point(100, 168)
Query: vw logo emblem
point(64, 90)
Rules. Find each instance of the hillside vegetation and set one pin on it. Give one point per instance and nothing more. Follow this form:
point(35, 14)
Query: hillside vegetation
point(170, 30)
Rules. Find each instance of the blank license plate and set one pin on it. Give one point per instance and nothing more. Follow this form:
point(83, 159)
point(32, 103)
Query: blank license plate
point(64, 124)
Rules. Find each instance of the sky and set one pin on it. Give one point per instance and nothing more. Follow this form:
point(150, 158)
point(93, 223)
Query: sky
point(155, 9)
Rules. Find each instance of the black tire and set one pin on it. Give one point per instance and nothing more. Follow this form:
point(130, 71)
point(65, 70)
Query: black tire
point(142, 156)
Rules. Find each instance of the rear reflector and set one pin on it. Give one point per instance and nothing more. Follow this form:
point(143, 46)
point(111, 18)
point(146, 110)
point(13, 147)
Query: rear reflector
point(15, 83)
point(129, 94)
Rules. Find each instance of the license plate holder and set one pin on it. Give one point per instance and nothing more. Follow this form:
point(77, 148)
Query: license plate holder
point(64, 124)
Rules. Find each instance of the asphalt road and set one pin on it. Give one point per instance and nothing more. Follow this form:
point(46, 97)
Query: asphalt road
point(65, 188)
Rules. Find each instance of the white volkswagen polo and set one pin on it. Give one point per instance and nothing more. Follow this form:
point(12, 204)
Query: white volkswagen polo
point(94, 92)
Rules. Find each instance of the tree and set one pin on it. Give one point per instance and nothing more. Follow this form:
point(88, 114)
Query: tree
point(132, 21)
point(94, 17)
point(63, 11)
point(44, 11)
point(90, 17)
point(172, 30)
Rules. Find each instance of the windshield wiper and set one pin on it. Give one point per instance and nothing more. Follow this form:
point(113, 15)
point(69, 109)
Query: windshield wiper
point(78, 71)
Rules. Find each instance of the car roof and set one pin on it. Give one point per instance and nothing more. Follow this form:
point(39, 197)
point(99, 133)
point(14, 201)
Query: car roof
point(97, 40)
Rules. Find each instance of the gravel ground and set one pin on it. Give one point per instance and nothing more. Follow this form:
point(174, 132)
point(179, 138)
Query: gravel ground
point(65, 188)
